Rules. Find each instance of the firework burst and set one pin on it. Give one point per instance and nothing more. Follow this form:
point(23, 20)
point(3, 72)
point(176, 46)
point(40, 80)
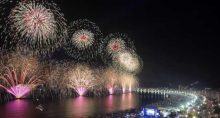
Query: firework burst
point(85, 38)
point(115, 43)
point(18, 84)
point(36, 26)
point(18, 76)
point(81, 78)
point(127, 61)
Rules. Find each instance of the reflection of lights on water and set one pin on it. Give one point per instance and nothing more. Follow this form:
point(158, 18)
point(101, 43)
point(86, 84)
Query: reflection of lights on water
point(109, 102)
point(90, 106)
point(17, 109)
point(17, 104)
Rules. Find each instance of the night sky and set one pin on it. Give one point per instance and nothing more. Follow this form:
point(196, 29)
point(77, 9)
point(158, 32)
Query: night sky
point(178, 41)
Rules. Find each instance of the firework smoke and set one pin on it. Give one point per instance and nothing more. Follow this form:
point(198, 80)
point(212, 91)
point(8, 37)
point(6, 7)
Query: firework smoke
point(127, 61)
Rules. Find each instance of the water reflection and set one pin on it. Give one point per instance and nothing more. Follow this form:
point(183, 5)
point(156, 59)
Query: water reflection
point(84, 106)
point(71, 108)
point(16, 109)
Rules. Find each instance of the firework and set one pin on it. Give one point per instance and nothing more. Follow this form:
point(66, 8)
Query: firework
point(113, 44)
point(128, 82)
point(112, 77)
point(127, 61)
point(18, 84)
point(81, 78)
point(84, 40)
point(18, 75)
point(36, 26)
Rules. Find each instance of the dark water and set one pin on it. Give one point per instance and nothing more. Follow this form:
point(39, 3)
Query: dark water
point(73, 108)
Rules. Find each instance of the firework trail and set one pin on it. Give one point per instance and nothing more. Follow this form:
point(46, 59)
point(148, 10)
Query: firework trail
point(112, 77)
point(19, 78)
point(81, 78)
point(36, 25)
point(128, 82)
point(84, 40)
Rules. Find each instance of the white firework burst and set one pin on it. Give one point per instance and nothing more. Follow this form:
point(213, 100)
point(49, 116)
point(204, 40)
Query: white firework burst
point(35, 26)
point(33, 20)
point(127, 61)
point(83, 39)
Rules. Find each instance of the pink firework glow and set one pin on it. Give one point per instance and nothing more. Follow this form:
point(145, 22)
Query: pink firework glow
point(123, 89)
point(84, 38)
point(111, 77)
point(111, 90)
point(115, 45)
point(130, 89)
point(18, 84)
point(19, 91)
point(81, 90)
point(128, 82)
point(81, 78)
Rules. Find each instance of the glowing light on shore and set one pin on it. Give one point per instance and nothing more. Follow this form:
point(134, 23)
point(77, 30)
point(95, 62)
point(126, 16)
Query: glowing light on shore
point(81, 78)
point(111, 90)
point(128, 82)
point(81, 90)
point(123, 89)
point(111, 77)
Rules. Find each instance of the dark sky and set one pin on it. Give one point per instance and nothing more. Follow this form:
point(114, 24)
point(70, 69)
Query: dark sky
point(178, 41)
